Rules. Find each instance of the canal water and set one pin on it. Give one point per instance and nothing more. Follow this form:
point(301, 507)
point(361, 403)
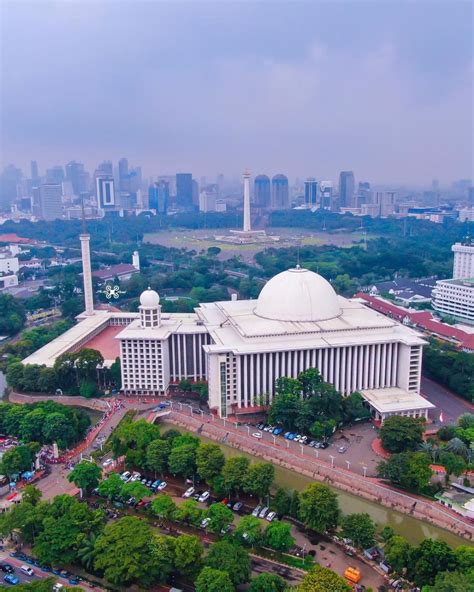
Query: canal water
point(412, 529)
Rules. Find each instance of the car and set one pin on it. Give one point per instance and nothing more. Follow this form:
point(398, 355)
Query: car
point(324, 445)
point(268, 428)
point(271, 516)
point(204, 497)
point(149, 482)
point(7, 568)
point(260, 426)
point(141, 503)
point(74, 580)
point(132, 501)
point(292, 436)
point(162, 486)
point(257, 435)
point(238, 506)
point(198, 494)
point(304, 440)
point(205, 522)
point(312, 443)
point(342, 449)
point(226, 529)
point(230, 504)
point(30, 560)
point(189, 492)
point(263, 512)
point(15, 554)
point(108, 462)
point(286, 434)
point(155, 484)
point(26, 569)
point(256, 511)
point(56, 571)
point(125, 476)
point(144, 480)
point(45, 568)
point(11, 579)
point(224, 501)
point(277, 431)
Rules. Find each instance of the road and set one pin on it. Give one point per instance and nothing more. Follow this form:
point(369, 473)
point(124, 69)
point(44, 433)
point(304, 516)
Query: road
point(446, 402)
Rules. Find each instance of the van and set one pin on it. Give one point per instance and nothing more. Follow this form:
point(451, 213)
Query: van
point(26, 569)
point(353, 575)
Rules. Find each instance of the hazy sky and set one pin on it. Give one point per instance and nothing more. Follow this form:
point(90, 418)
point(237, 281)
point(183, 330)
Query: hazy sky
point(306, 88)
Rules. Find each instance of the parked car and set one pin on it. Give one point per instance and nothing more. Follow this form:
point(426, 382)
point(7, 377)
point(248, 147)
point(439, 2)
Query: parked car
point(286, 434)
point(205, 522)
point(108, 462)
point(237, 506)
point(7, 568)
point(26, 569)
point(204, 496)
point(256, 511)
point(125, 476)
point(271, 516)
point(263, 512)
point(149, 483)
point(162, 486)
point(277, 431)
point(11, 579)
point(257, 435)
point(324, 445)
point(292, 436)
point(189, 492)
point(198, 494)
point(155, 484)
point(342, 449)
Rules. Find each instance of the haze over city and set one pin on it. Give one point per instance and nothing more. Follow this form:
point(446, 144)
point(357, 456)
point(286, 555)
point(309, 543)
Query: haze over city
point(381, 88)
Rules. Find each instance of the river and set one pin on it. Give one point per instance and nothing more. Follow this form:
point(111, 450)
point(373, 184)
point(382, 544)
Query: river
point(412, 529)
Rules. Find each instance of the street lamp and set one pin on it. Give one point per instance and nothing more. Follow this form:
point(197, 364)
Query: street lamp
point(317, 452)
point(274, 439)
point(332, 461)
point(302, 449)
point(180, 406)
point(287, 443)
point(364, 468)
point(348, 463)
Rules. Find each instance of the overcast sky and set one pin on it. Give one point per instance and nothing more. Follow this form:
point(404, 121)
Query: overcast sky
point(305, 88)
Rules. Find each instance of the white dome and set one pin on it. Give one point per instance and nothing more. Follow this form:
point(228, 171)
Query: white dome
point(298, 295)
point(149, 298)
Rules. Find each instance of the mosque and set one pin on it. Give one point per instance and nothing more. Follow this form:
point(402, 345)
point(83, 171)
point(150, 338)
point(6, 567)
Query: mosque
point(240, 347)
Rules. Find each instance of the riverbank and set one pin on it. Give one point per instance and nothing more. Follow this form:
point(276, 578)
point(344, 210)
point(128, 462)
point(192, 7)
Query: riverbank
point(370, 489)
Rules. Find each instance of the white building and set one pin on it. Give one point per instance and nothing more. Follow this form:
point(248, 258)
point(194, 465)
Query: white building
point(455, 298)
point(463, 260)
point(9, 261)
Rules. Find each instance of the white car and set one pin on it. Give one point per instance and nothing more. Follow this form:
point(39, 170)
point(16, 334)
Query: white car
point(108, 462)
point(256, 511)
point(125, 476)
point(263, 512)
point(189, 492)
point(205, 522)
point(271, 516)
point(27, 570)
point(257, 435)
point(162, 485)
point(204, 496)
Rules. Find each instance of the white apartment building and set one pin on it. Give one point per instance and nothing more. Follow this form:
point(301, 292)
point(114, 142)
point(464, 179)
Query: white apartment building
point(463, 260)
point(455, 298)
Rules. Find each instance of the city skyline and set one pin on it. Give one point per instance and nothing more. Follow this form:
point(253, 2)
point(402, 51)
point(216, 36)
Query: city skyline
point(377, 99)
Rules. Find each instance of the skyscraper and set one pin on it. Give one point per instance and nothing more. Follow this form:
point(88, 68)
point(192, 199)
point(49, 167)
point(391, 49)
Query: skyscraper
point(158, 197)
point(34, 170)
point(123, 175)
point(326, 194)
point(310, 192)
point(106, 168)
point(55, 175)
point(184, 190)
point(346, 189)
point(51, 203)
point(262, 193)
point(79, 178)
point(280, 196)
point(105, 192)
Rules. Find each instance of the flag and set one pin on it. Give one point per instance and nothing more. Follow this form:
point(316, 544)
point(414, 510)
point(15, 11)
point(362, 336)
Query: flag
point(441, 418)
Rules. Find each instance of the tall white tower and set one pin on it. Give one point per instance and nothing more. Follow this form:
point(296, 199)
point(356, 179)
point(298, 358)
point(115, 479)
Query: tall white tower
point(86, 272)
point(136, 260)
point(247, 221)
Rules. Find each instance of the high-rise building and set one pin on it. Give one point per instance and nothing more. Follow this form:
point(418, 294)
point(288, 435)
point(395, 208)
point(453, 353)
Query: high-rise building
point(195, 193)
point(364, 193)
point(208, 198)
point(310, 192)
point(55, 175)
point(158, 197)
point(261, 191)
point(463, 260)
point(386, 202)
point(280, 195)
point(470, 197)
point(184, 190)
point(325, 188)
point(34, 170)
point(9, 183)
point(51, 203)
point(105, 192)
point(77, 175)
point(346, 189)
point(123, 175)
point(106, 168)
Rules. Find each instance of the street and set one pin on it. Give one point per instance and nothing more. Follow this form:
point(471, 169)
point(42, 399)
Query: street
point(447, 403)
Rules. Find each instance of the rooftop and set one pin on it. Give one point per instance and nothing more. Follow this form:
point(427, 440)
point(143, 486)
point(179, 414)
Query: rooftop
point(394, 399)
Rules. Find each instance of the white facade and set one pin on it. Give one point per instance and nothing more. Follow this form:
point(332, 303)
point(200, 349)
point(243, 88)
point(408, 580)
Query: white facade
point(242, 347)
point(455, 298)
point(463, 260)
point(8, 262)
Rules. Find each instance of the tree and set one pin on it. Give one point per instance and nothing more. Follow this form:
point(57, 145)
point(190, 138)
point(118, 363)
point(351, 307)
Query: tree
point(430, 558)
point(182, 460)
point(398, 552)
point(57, 428)
point(16, 460)
point(209, 461)
point(86, 550)
point(129, 553)
point(188, 551)
point(111, 487)
point(88, 389)
point(213, 580)
point(259, 479)
point(281, 502)
point(249, 531)
point(157, 454)
point(31, 426)
point(399, 433)
point(267, 582)
point(457, 446)
point(31, 495)
point(12, 315)
point(464, 557)
point(134, 489)
point(85, 475)
point(163, 506)
point(278, 536)
point(189, 512)
point(221, 516)
point(295, 504)
point(386, 533)
point(360, 528)
point(88, 361)
point(285, 409)
point(25, 518)
point(15, 375)
point(354, 408)
point(453, 463)
point(321, 579)
point(451, 581)
point(230, 558)
point(319, 508)
point(409, 470)
point(234, 472)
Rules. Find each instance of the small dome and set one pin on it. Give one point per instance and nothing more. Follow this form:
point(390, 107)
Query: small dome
point(149, 298)
point(298, 295)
